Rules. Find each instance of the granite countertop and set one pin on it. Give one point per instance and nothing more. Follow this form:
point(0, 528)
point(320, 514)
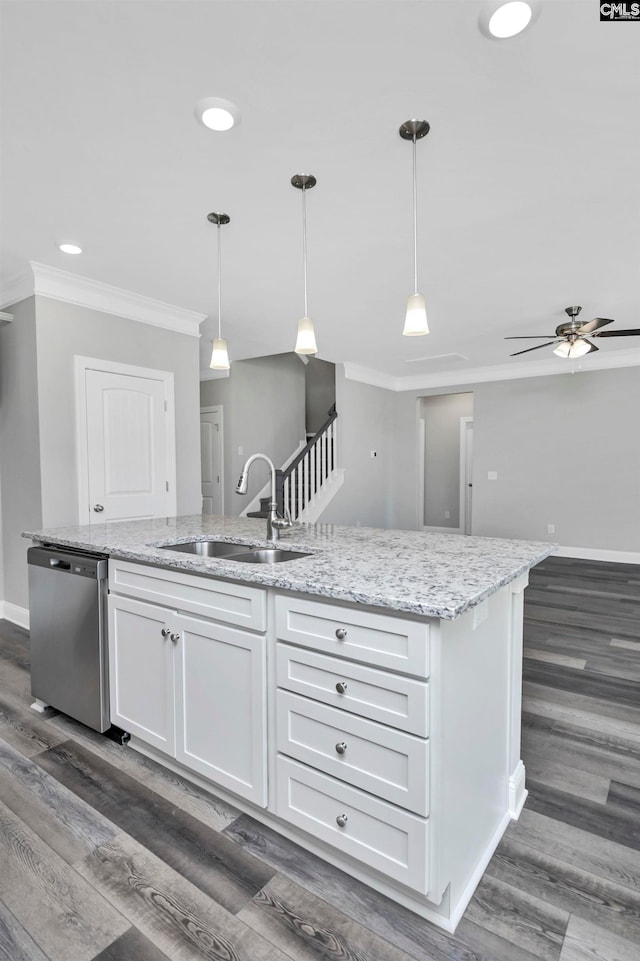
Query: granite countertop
point(437, 575)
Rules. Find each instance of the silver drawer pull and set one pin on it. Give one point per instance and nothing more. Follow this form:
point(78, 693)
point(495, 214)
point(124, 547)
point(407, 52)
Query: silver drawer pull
point(341, 633)
point(175, 638)
point(165, 632)
point(341, 747)
point(341, 820)
point(341, 687)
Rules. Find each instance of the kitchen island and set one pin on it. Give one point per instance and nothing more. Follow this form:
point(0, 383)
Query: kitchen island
point(362, 698)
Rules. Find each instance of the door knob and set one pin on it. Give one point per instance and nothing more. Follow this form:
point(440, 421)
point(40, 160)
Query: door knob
point(98, 508)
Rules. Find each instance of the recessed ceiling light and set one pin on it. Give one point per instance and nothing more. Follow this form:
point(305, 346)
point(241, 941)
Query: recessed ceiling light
point(70, 248)
point(217, 114)
point(504, 20)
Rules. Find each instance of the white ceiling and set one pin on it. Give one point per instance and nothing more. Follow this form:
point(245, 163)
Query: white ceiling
point(529, 183)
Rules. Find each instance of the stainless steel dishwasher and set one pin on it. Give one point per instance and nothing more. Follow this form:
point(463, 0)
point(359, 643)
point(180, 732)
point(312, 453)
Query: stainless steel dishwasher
point(67, 604)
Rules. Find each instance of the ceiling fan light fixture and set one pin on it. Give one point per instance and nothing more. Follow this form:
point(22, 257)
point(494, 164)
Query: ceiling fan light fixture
point(571, 349)
point(415, 322)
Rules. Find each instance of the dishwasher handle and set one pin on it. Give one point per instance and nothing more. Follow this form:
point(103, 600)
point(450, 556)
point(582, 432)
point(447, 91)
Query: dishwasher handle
point(69, 562)
point(60, 563)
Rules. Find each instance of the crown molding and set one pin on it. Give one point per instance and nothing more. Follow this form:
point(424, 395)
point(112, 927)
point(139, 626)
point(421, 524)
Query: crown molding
point(16, 288)
point(481, 375)
point(73, 289)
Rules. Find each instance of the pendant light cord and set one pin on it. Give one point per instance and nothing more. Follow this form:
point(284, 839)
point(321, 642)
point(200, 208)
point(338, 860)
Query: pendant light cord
point(304, 248)
point(219, 285)
point(415, 221)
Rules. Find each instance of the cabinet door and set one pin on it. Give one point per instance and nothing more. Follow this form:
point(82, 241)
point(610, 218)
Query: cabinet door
point(141, 676)
point(221, 706)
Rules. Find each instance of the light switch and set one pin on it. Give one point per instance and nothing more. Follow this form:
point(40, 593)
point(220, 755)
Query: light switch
point(492, 475)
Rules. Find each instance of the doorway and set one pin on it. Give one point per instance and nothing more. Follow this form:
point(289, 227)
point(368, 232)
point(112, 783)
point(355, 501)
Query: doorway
point(125, 439)
point(212, 460)
point(446, 462)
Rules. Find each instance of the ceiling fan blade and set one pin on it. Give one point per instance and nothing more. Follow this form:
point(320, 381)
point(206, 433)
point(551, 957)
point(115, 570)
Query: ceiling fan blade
point(530, 337)
point(537, 347)
point(592, 325)
point(619, 333)
point(592, 347)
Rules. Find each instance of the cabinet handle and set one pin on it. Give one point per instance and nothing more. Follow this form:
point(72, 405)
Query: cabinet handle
point(165, 632)
point(341, 747)
point(341, 633)
point(341, 687)
point(341, 820)
point(175, 638)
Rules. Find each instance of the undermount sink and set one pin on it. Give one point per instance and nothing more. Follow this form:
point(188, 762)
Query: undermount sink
point(244, 553)
point(208, 548)
point(268, 555)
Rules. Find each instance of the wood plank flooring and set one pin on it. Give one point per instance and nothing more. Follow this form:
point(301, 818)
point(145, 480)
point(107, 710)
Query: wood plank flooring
point(106, 856)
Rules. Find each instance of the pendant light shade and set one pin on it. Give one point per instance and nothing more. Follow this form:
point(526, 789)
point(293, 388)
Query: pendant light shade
point(415, 323)
point(219, 354)
point(306, 339)
point(574, 348)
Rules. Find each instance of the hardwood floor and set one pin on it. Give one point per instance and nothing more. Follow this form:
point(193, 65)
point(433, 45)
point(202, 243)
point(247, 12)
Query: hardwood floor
point(106, 856)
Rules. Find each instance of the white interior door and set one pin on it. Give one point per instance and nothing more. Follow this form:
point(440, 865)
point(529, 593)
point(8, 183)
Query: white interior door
point(211, 460)
point(466, 473)
point(126, 441)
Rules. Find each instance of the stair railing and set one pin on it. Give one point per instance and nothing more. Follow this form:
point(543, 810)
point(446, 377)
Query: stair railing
point(308, 473)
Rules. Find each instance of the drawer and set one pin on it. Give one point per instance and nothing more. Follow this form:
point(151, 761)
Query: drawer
point(209, 597)
point(381, 696)
point(378, 834)
point(388, 763)
point(378, 639)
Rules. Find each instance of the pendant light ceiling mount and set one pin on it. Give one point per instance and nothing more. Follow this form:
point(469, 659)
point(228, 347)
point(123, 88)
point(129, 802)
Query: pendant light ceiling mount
point(415, 323)
point(219, 354)
point(414, 129)
point(306, 339)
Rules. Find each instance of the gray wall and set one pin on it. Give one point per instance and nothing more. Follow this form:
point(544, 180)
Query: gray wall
point(19, 447)
point(365, 423)
point(320, 392)
point(566, 450)
point(441, 416)
point(64, 330)
point(263, 410)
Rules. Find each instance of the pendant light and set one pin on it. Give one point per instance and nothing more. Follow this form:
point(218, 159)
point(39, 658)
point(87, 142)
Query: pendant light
point(219, 355)
point(415, 322)
point(306, 339)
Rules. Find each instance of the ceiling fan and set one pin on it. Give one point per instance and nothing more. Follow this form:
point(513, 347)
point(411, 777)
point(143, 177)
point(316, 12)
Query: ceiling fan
point(570, 336)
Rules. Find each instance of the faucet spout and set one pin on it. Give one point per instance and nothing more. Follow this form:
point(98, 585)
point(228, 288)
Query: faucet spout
point(274, 521)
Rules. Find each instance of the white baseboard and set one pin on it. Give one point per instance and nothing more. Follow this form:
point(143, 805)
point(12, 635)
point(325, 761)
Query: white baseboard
point(17, 615)
point(595, 554)
point(517, 791)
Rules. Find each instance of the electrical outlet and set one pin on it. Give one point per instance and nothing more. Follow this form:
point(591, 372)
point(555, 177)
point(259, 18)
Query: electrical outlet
point(492, 475)
point(551, 528)
point(240, 451)
point(447, 515)
point(374, 453)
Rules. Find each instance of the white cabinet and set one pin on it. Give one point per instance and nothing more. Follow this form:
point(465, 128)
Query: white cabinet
point(191, 687)
point(141, 673)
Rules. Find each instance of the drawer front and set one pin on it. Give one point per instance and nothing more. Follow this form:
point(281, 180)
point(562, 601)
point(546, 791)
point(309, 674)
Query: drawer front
point(378, 639)
point(386, 838)
point(234, 604)
point(381, 696)
point(388, 763)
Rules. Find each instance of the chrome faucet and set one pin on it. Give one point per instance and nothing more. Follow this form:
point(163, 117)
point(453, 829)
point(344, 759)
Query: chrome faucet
point(275, 522)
